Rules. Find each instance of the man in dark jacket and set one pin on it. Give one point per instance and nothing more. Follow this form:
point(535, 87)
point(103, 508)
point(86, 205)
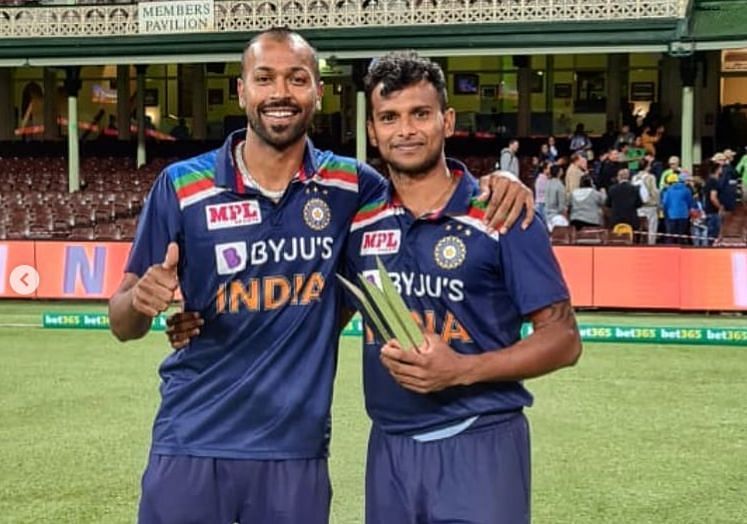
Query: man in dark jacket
point(624, 199)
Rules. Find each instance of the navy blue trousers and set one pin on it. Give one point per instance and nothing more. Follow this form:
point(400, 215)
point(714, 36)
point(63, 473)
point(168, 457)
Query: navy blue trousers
point(196, 490)
point(480, 476)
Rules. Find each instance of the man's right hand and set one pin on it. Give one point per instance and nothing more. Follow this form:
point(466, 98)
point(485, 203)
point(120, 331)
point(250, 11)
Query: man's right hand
point(182, 327)
point(155, 290)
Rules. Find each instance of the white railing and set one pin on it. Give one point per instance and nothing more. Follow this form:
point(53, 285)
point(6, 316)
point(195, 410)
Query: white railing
point(255, 15)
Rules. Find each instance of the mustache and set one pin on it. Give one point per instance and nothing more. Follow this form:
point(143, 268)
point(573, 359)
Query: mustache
point(285, 103)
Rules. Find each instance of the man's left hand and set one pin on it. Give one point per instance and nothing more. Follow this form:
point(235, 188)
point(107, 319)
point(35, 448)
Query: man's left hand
point(432, 367)
point(506, 196)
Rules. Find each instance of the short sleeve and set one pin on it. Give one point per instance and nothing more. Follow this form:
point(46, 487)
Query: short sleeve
point(159, 224)
point(530, 270)
point(371, 185)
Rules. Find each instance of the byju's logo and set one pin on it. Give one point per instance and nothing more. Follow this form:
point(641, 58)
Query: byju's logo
point(230, 258)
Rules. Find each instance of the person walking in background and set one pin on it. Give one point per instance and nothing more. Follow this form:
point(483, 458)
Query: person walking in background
point(624, 199)
point(677, 201)
point(646, 182)
point(575, 171)
point(508, 160)
point(556, 202)
point(673, 167)
point(698, 224)
point(580, 141)
point(586, 205)
point(742, 172)
point(711, 200)
point(540, 186)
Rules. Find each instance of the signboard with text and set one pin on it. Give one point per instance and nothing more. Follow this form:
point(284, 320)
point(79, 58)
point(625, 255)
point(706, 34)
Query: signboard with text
point(179, 16)
point(606, 276)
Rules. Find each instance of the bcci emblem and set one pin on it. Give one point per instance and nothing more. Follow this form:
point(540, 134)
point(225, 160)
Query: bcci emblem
point(316, 214)
point(450, 252)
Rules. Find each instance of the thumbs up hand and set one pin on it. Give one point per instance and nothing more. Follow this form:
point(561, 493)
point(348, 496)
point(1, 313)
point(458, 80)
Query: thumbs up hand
point(155, 290)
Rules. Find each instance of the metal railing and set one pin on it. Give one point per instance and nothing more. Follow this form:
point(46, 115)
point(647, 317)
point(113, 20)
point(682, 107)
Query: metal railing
point(256, 15)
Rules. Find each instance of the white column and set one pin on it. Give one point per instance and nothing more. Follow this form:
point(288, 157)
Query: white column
point(72, 87)
point(360, 126)
point(688, 111)
point(73, 155)
point(140, 116)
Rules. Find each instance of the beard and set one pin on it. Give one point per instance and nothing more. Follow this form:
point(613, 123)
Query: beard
point(278, 136)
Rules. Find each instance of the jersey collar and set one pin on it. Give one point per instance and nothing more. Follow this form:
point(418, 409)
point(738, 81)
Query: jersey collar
point(228, 175)
point(459, 203)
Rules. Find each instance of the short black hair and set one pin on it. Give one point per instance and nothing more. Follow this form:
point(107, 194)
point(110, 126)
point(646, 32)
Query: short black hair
point(399, 69)
point(282, 34)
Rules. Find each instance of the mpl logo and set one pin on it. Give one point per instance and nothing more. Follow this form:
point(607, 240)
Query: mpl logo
point(235, 214)
point(230, 258)
point(383, 242)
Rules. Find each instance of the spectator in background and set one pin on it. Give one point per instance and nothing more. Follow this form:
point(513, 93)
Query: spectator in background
point(673, 167)
point(624, 199)
point(711, 202)
point(609, 136)
point(540, 186)
point(180, 131)
point(576, 170)
point(556, 205)
point(727, 181)
point(508, 160)
point(586, 205)
point(580, 141)
point(625, 138)
point(552, 150)
point(677, 201)
point(634, 154)
point(608, 170)
point(698, 224)
point(742, 171)
point(650, 138)
point(646, 183)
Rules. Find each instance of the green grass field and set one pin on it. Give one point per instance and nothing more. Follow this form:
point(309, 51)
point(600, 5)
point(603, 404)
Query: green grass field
point(633, 434)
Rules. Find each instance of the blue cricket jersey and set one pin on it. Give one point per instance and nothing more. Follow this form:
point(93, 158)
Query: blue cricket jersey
point(471, 286)
point(257, 382)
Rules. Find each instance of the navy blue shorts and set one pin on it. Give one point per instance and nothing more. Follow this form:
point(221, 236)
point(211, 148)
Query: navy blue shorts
point(196, 490)
point(480, 476)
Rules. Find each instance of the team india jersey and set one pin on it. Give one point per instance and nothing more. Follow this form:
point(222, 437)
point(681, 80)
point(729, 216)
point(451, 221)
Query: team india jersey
point(257, 382)
point(472, 286)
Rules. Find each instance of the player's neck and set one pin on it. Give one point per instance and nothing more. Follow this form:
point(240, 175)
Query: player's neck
point(424, 193)
point(271, 168)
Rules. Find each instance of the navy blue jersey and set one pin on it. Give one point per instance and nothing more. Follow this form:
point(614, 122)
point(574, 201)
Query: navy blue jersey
point(257, 382)
point(471, 286)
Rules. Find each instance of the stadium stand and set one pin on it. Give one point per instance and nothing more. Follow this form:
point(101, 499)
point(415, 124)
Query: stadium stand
point(36, 205)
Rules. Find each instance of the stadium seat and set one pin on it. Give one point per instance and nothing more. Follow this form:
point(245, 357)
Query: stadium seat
point(591, 236)
point(562, 235)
